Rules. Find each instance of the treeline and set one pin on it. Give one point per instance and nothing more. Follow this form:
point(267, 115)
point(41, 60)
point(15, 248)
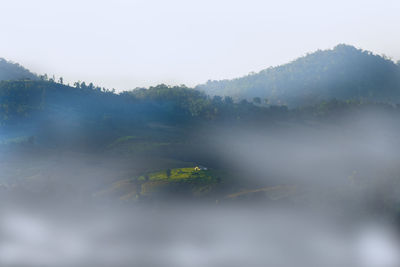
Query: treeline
point(26, 99)
point(22, 98)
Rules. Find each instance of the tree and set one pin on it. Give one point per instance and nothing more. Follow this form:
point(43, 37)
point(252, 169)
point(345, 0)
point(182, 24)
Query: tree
point(44, 77)
point(228, 100)
point(257, 100)
point(217, 99)
point(61, 80)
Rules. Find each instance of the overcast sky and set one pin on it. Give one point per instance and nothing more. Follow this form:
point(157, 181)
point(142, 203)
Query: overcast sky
point(125, 44)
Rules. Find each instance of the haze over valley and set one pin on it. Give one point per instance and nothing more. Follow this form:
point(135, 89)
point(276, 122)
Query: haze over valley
point(299, 159)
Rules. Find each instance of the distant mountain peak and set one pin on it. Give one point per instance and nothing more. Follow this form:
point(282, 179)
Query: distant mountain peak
point(344, 46)
point(344, 72)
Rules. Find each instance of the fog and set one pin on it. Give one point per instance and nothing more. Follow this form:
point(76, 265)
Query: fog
point(193, 237)
point(342, 211)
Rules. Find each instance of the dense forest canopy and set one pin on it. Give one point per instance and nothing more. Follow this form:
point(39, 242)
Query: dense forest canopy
point(344, 72)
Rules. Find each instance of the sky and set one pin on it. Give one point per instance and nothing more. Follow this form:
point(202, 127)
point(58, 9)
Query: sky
point(125, 44)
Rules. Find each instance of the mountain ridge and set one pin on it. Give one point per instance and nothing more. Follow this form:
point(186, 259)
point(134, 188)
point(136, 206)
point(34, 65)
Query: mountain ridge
point(344, 72)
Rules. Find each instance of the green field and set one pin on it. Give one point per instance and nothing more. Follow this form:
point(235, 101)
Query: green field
point(178, 181)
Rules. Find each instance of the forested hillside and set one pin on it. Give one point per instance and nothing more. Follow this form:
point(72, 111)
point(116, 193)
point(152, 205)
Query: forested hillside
point(14, 71)
point(90, 116)
point(25, 100)
point(344, 72)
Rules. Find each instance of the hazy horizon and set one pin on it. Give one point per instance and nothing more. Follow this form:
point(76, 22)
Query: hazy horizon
point(127, 44)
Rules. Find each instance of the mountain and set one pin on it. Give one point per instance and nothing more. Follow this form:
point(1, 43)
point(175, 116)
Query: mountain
point(344, 72)
point(14, 71)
